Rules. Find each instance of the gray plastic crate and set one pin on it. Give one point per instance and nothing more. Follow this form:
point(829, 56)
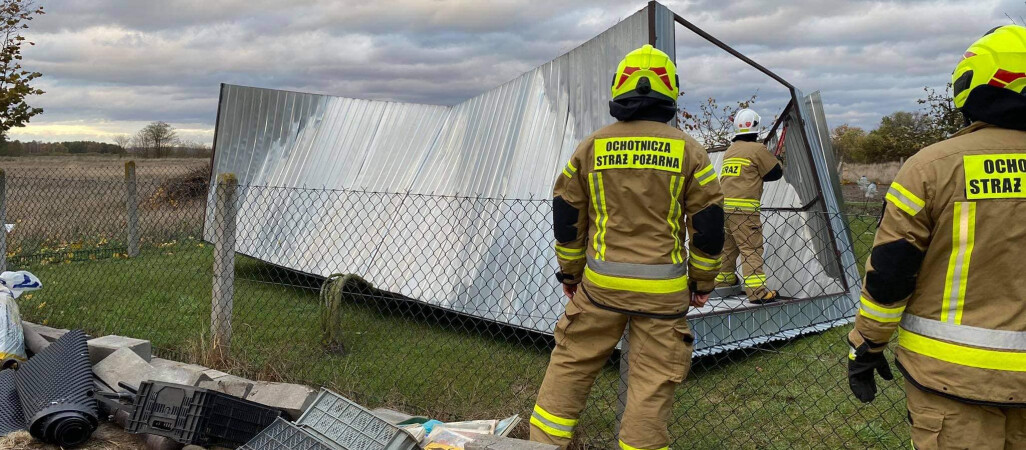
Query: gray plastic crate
point(347, 426)
point(282, 435)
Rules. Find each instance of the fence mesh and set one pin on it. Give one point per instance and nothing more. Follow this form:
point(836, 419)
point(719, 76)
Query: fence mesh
point(389, 318)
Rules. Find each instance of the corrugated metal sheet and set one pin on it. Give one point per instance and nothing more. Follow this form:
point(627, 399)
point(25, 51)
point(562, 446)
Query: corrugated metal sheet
point(449, 205)
point(811, 111)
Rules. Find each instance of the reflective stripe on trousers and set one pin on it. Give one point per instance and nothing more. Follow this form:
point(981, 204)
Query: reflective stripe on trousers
point(552, 424)
point(624, 446)
point(754, 281)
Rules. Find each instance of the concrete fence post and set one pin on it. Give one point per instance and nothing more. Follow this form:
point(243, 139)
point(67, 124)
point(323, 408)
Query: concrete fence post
point(132, 208)
point(224, 261)
point(3, 220)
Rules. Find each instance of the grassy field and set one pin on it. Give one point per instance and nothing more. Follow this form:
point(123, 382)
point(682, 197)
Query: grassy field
point(786, 395)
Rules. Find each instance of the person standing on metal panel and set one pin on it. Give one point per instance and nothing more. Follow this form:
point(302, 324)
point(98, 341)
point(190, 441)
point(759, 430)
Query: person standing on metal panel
point(747, 164)
point(945, 271)
point(620, 210)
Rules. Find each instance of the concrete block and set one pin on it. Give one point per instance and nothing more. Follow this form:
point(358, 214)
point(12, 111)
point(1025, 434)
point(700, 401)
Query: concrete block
point(196, 372)
point(215, 374)
point(123, 366)
point(293, 398)
point(502, 443)
point(48, 333)
point(228, 384)
point(102, 347)
point(126, 366)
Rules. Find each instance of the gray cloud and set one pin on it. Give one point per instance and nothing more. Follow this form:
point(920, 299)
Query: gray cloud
point(111, 65)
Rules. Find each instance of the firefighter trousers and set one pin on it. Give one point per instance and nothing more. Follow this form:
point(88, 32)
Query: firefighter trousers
point(744, 238)
point(659, 359)
point(942, 423)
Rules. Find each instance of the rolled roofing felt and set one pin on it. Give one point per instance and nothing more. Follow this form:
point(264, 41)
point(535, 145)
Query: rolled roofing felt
point(11, 417)
point(56, 392)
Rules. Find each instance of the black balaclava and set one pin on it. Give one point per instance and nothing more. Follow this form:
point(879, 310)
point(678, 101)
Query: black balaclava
point(997, 106)
point(750, 137)
point(643, 108)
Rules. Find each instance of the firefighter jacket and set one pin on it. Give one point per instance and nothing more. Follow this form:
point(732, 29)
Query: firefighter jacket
point(946, 269)
point(746, 165)
point(620, 210)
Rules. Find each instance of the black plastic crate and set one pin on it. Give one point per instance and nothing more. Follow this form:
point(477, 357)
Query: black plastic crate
point(192, 415)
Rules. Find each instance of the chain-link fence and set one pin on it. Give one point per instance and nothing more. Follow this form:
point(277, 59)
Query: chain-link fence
point(144, 255)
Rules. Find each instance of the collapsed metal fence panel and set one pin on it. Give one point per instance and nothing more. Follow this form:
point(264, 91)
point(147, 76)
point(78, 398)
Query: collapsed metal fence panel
point(505, 144)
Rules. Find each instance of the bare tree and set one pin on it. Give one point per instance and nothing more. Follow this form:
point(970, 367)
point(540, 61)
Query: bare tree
point(712, 124)
point(122, 140)
point(15, 82)
point(159, 137)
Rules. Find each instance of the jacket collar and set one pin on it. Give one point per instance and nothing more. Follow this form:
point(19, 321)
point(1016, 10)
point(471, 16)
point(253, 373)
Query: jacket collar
point(976, 126)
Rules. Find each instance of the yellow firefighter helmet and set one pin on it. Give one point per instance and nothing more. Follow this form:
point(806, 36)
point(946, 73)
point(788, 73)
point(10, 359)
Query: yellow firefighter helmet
point(646, 72)
point(998, 59)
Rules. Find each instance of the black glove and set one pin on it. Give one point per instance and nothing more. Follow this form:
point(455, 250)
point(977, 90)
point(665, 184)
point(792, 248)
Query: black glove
point(860, 371)
point(693, 287)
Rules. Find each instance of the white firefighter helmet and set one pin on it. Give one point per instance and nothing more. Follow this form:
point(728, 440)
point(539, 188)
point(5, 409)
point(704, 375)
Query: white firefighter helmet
point(746, 121)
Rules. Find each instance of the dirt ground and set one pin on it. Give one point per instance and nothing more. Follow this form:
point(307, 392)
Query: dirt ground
point(881, 174)
point(107, 437)
point(73, 202)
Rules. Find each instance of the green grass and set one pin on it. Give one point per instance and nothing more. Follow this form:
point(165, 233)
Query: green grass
point(787, 395)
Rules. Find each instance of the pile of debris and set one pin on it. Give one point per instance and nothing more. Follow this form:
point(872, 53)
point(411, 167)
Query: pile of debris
point(179, 190)
point(60, 385)
point(71, 383)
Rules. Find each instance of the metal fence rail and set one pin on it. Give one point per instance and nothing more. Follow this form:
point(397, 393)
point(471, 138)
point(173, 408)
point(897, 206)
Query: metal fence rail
point(147, 268)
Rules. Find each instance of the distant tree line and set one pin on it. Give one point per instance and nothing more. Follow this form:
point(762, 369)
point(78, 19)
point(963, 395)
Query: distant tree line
point(156, 140)
point(902, 133)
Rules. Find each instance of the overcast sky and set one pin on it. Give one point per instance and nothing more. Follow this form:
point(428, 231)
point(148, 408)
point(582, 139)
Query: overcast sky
point(110, 66)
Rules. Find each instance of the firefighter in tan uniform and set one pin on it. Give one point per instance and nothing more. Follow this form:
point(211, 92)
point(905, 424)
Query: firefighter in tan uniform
point(747, 164)
point(946, 269)
point(621, 208)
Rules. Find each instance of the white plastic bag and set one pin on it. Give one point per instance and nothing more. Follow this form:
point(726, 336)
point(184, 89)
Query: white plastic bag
point(12, 336)
point(20, 281)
